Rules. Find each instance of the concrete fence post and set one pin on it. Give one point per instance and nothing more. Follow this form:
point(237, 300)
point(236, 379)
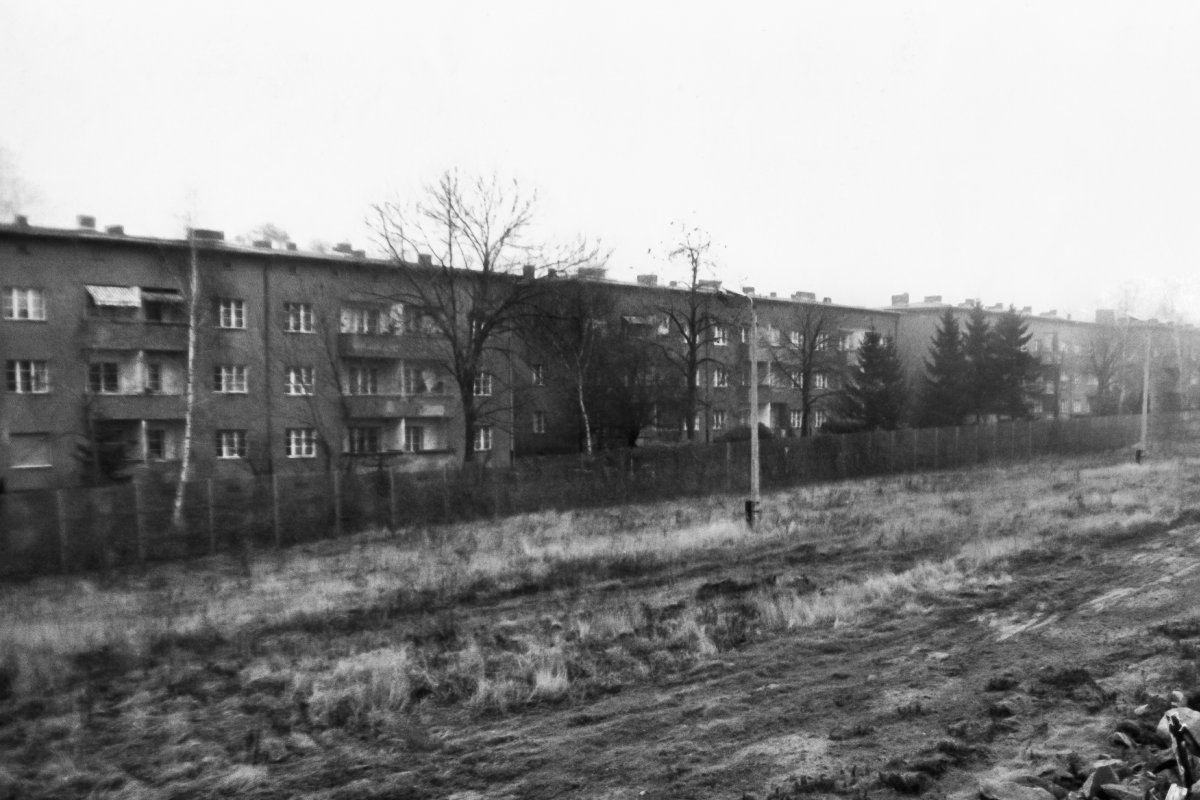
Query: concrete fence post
point(936, 437)
point(212, 521)
point(392, 523)
point(139, 526)
point(337, 504)
point(64, 551)
point(275, 521)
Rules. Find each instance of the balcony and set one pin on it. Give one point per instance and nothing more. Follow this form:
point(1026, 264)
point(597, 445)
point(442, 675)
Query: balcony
point(367, 345)
point(137, 406)
point(110, 334)
point(361, 406)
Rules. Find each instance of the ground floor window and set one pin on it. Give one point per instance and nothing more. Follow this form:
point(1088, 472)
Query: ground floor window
point(301, 443)
point(796, 419)
point(539, 422)
point(156, 444)
point(364, 440)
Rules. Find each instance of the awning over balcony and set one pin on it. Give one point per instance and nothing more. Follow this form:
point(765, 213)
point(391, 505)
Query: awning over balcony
point(120, 296)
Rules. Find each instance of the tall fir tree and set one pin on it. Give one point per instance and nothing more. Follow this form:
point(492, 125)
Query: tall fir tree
point(944, 393)
point(981, 374)
point(874, 395)
point(1015, 370)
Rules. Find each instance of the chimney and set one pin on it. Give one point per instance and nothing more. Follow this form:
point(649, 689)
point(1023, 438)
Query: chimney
point(900, 299)
point(265, 244)
point(649, 279)
point(290, 245)
point(804, 297)
point(1051, 313)
point(206, 234)
point(933, 298)
point(115, 230)
point(529, 271)
point(592, 273)
point(827, 300)
point(424, 260)
point(773, 294)
point(745, 290)
point(21, 221)
point(86, 222)
point(673, 284)
point(343, 247)
point(359, 253)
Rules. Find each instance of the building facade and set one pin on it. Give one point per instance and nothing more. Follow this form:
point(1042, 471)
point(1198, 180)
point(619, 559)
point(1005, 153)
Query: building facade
point(303, 361)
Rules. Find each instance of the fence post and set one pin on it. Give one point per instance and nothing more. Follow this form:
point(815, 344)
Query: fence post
point(212, 522)
point(935, 447)
point(337, 504)
point(64, 553)
point(275, 522)
point(139, 528)
point(915, 439)
point(1029, 439)
point(891, 451)
point(446, 492)
point(392, 499)
point(957, 451)
point(728, 466)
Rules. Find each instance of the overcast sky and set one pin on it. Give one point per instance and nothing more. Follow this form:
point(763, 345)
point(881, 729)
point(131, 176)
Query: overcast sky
point(1039, 154)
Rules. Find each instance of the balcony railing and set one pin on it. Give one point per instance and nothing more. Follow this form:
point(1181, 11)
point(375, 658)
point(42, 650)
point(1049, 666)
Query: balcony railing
point(368, 406)
point(368, 345)
point(137, 406)
point(110, 334)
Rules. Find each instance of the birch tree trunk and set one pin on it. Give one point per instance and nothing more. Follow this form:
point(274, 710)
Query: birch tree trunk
point(190, 385)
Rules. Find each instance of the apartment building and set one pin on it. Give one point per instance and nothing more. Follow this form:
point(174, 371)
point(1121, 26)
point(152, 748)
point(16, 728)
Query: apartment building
point(303, 361)
point(1087, 367)
point(804, 347)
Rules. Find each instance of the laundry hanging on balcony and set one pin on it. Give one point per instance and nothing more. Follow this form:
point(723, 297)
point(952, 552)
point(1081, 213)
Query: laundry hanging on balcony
point(120, 296)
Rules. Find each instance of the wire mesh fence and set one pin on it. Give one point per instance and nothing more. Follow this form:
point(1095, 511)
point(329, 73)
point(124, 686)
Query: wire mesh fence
point(81, 529)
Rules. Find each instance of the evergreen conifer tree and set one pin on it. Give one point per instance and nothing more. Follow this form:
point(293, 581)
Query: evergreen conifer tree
point(874, 394)
point(944, 394)
point(1015, 370)
point(981, 385)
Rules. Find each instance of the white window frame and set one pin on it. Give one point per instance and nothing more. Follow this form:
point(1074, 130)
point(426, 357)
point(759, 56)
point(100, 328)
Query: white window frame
point(24, 304)
point(231, 444)
point(300, 442)
point(414, 434)
point(300, 381)
point(231, 313)
point(27, 376)
point(820, 380)
point(537, 374)
point(718, 420)
point(360, 320)
point(484, 384)
point(818, 419)
point(483, 438)
point(364, 440)
point(796, 419)
point(539, 421)
point(796, 339)
point(720, 378)
point(720, 336)
point(229, 378)
point(299, 317)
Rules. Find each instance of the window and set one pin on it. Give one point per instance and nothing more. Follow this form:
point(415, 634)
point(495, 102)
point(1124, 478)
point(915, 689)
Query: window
point(362, 320)
point(229, 378)
point(299, 317)
point(818, 420)
point(102, 378)
point(483, 386)
point(25, 304)
point(720, 336)
point(772, 336)
point(231, 313)
point(718, 420)
point(537, 373)
point(154, 374)
point(364, 441)
point(1077, 406)
point(363, 380)
point(29, 450)
point(720, 378)
point(301, 443)
point(823, 341)
point(414, 438)
point(1035, 346)
point(796, 420)
point(231, 444)
point(423, 380)
point(27, 377)
point(156, 444)
point(299, 380)
point(539, 422)
point(796, 339)
point(820, 380)
point(483, 438)
point(744, 334)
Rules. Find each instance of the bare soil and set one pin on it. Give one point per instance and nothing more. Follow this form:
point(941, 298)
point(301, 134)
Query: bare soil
point(1025, 675)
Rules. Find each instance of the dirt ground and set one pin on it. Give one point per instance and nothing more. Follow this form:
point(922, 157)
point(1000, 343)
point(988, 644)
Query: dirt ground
point(1024, 675)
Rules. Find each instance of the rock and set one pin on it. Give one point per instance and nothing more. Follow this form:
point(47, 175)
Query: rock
point(937, 655)
point(1142, 709)
point(1187, 716)
point(1002, 709)
point(1121, 739)
point(1101, 776)
point(1011, 790)
point(1119, 791)
point(1177, 699)
point(905, 782)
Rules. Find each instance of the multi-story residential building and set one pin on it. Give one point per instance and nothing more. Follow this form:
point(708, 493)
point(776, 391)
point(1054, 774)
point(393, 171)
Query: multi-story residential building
point(303, 361)
point(803, 349)
point(1087, 367)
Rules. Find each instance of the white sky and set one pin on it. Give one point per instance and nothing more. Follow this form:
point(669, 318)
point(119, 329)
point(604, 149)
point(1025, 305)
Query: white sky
point(1042, 154)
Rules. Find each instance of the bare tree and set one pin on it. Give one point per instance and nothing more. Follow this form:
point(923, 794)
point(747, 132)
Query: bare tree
point(1106, 348)
point(192, 299)
point(809, 358)
point(692, 319)
point(477, 274)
